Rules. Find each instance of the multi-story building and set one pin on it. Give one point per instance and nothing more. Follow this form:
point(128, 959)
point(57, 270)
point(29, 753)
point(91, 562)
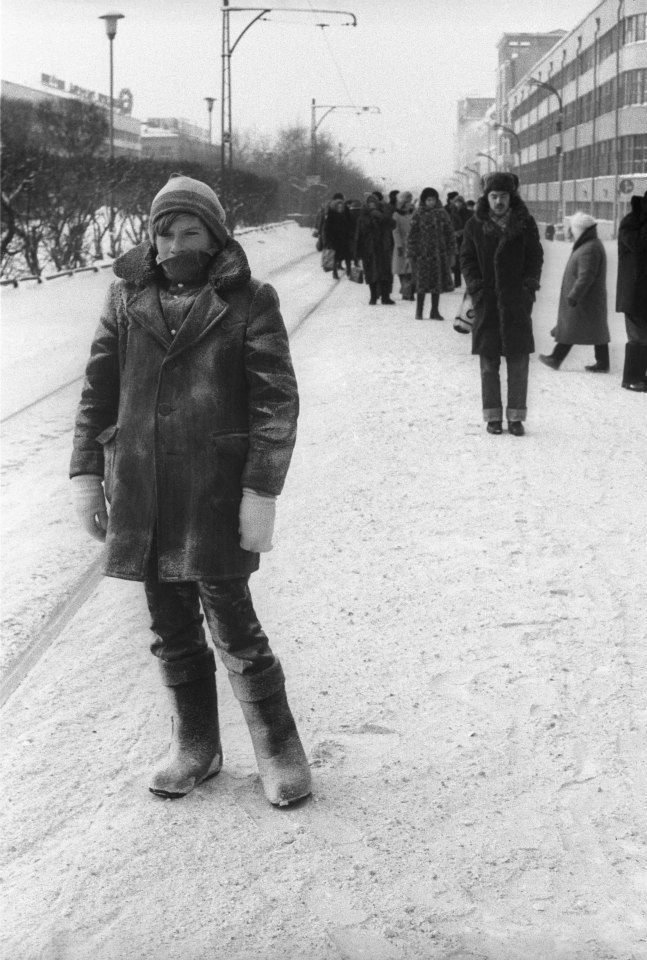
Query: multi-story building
point(576, 121)
point(171, 138)
point(471, 137)
point(126, 129)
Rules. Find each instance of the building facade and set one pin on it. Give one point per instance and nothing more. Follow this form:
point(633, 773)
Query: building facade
point(126, 129)
point(574, 126)
point(171, 138)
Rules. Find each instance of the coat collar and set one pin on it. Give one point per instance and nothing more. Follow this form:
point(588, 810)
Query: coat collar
point(519, 218)
point(591, 233)
point(229, 269)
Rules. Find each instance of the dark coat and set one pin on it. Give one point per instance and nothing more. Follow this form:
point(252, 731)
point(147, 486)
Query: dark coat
point(631, 289)
point(177, 426)
point(585, 282)
point(337, 233)
point(431, 247)
point(374, 241)
point(502, 272)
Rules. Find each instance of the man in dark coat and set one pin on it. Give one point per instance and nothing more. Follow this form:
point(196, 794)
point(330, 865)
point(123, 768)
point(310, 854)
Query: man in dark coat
point(501, 260)
point(631, 293)
point(338, 235)
point(186, 427)
point(374, 246)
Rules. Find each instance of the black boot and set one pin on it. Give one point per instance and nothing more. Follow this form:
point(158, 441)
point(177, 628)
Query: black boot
point(633, 374)
point(281, 760)
point(554, 360)
point(420, 304)
point(435, 313)
point(601, 364)
point(373, 288)
point(195, 753)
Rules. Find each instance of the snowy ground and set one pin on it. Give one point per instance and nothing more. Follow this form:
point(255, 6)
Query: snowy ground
point(461, 619)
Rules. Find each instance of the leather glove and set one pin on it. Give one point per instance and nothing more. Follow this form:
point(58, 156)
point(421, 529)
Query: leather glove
point(256, 521)
point(90, 504)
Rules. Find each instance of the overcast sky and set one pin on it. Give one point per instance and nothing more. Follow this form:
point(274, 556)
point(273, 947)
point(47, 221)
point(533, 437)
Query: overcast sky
point(414, 59)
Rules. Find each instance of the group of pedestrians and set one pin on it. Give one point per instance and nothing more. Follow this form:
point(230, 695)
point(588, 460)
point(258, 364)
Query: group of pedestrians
point(416, 242)
point(495, 245)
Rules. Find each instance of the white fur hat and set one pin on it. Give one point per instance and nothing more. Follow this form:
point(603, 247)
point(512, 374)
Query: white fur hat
point(581, 221)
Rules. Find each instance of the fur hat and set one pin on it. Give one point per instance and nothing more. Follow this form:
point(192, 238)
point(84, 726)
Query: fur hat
point(428, 192)
point(501, 182)
point(452, 195)
point(581, 221)
point(186, 195)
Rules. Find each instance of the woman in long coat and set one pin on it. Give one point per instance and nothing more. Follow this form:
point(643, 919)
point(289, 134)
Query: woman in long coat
point(337, 235)
point(582, 312)
point(403, 216)
point(374, 245)
point(432, 250)
point(631, 293)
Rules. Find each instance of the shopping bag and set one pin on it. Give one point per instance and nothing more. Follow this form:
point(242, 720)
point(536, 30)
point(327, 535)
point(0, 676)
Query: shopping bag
point(464, 320)
point(327, 259)
point(407, 288)
point(356, 273)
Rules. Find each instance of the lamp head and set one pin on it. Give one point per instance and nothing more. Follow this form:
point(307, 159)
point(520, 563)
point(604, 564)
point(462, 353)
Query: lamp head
point(111, 23)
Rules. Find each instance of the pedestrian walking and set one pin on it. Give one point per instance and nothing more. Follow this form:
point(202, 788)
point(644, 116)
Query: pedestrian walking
point(501, 260)
point(631, 293)
point(582, 311)
point(401, 264)
point(186, 426)
point(459, 215)
point(337, 235)
point(431, 249)
point(373, 246)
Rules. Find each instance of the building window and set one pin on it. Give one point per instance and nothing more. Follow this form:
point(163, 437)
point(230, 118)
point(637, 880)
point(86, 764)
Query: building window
point(635, 28)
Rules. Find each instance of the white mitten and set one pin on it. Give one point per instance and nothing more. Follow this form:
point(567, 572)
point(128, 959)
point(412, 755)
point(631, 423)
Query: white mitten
point(90, 504)
point(256, 521)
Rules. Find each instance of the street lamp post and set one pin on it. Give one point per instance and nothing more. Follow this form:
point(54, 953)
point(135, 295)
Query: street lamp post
point(315, 124)
point(111, 32)
point(489, 157)
point(226, 147)
point(560, 147)
point(210, 102)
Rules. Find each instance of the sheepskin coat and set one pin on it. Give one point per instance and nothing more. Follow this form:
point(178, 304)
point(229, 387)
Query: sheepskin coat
point(178, 424)
point(631, 289)
point(431, 249)
point(502, 272)
point(584, 319)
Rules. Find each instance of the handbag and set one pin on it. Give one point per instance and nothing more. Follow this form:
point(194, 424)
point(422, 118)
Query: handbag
point(407, 289)
point(356, 273)
point(464, 320)
point(327, 259)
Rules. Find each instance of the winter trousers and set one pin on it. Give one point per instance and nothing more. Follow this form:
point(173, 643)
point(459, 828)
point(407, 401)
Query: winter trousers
point(601, 350)
point(517, 367)
point(180, 643)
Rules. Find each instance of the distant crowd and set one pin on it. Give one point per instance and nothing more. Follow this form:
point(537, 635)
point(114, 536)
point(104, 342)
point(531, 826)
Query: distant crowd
point(417, 242)
point(494, 243)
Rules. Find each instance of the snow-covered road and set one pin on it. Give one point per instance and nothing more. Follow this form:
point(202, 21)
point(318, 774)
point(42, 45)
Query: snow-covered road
point(461, 619)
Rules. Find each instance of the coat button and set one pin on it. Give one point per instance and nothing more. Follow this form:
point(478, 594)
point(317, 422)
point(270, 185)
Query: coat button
point(164, 409)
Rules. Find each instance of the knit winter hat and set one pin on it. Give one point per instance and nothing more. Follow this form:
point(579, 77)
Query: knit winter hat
point(428, 192)
point(186, 195)
point(501, 182)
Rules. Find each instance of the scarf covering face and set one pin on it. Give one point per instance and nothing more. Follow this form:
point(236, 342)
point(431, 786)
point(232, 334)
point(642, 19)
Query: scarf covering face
point(190, 266)
point(502, 222)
